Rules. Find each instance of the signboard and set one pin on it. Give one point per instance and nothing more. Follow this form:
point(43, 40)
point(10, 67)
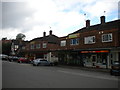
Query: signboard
point(101, 51)
point(74, 35)
point(33, 42)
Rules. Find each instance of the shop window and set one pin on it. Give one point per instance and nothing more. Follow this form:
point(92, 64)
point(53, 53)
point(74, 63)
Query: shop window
point(107, 37)
point(89, 40)
point(44, 45)
point(37, 46)
point(63, 43)
point(74, 41)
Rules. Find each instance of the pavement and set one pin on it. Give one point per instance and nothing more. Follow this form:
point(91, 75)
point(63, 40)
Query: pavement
point(94, 69)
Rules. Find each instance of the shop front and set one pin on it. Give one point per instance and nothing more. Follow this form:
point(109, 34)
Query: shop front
point(96, 58)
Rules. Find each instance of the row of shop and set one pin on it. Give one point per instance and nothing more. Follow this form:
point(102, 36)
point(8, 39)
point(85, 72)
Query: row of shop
point(91, 46)
point(99, 58)
point(91, 58)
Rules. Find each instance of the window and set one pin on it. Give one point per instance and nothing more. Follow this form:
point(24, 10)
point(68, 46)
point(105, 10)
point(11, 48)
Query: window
point(63, 43)
point(74, 41)
point(23, 47)
point(37, 46)
point(89, 40)
point(44, 45)
point(32, 46)
point(107, 37)
point(16, 47)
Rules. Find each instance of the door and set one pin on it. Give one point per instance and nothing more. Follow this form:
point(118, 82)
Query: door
point(94, 59)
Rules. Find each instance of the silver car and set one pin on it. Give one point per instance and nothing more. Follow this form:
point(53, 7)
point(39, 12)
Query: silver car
point(40, 61)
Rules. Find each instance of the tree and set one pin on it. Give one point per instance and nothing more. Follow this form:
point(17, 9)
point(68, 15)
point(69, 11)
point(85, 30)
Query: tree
point(6, 48)
point(20, 36)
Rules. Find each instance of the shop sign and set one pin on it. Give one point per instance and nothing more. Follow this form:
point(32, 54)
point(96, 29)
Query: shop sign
point(33, 42)
point(74, 35)
point(101, 51)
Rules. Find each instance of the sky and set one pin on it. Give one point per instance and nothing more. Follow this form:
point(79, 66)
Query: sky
point(33, 17)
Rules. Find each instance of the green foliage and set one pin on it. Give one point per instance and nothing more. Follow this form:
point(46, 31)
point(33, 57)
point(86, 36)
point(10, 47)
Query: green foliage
point(6, 48)
point(20, 36)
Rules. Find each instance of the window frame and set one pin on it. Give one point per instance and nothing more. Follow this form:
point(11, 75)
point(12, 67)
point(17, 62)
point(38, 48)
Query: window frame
point(38, 46)
point(44, 45)
point(76, 42)
point(104, 36)
point(63, 43)
point(87, 40)
point(32, 46)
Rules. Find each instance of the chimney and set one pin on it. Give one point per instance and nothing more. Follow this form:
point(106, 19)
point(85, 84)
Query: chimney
point(87, 23)
point(102, 18)
point(50, 32)
point(44, 34)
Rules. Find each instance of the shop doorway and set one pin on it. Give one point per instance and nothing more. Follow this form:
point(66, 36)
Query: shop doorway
point(94, 59)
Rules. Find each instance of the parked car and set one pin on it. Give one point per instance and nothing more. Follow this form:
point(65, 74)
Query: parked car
point(115, 68)
point(23, 60)
point(3, 57)
point(42, 62)
point(13, 58)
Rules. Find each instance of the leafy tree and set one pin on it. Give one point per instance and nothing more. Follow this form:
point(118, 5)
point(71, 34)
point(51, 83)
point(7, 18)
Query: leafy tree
point(20, 36)
point(6, 48)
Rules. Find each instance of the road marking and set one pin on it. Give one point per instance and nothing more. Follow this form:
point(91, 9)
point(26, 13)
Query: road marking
point(92, 76)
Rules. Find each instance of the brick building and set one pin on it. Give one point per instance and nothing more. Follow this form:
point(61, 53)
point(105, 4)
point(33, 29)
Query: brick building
point(42, 47)
point(94, 46)
point(91, 46)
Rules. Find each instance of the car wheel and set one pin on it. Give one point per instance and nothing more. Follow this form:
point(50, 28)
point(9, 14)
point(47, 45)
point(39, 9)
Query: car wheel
point(34, 65)
point(38, 64)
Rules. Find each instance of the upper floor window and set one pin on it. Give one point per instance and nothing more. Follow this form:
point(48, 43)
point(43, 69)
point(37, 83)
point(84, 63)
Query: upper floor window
point(37, 46)
point(44, 45)
point(16, 47)
point(107, 37)
point(32, 46)
point(23, 47)
point(74, 41)
point(63, 43)
point(89, 40)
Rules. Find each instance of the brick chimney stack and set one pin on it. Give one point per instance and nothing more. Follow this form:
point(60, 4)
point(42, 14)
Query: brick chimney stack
point(87, 23)
point(50, 32)
point(102, 18)
point(44, 34)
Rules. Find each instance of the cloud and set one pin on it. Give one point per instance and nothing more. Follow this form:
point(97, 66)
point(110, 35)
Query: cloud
point(32, 17)
point(97, 8)
point(14, 13)
point(11, 33)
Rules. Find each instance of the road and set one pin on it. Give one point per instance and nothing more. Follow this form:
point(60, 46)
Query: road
point(15, 75)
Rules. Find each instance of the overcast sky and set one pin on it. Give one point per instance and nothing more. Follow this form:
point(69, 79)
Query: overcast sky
point(33, 17)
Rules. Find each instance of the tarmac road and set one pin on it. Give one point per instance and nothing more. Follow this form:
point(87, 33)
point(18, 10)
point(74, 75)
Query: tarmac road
point(15, 75)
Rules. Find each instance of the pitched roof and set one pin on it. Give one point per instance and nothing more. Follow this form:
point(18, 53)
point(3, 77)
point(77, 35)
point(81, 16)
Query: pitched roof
point(105, 26)
point(49, 39)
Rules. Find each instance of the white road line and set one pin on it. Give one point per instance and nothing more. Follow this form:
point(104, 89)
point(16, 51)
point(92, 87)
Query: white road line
point(92, 76)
